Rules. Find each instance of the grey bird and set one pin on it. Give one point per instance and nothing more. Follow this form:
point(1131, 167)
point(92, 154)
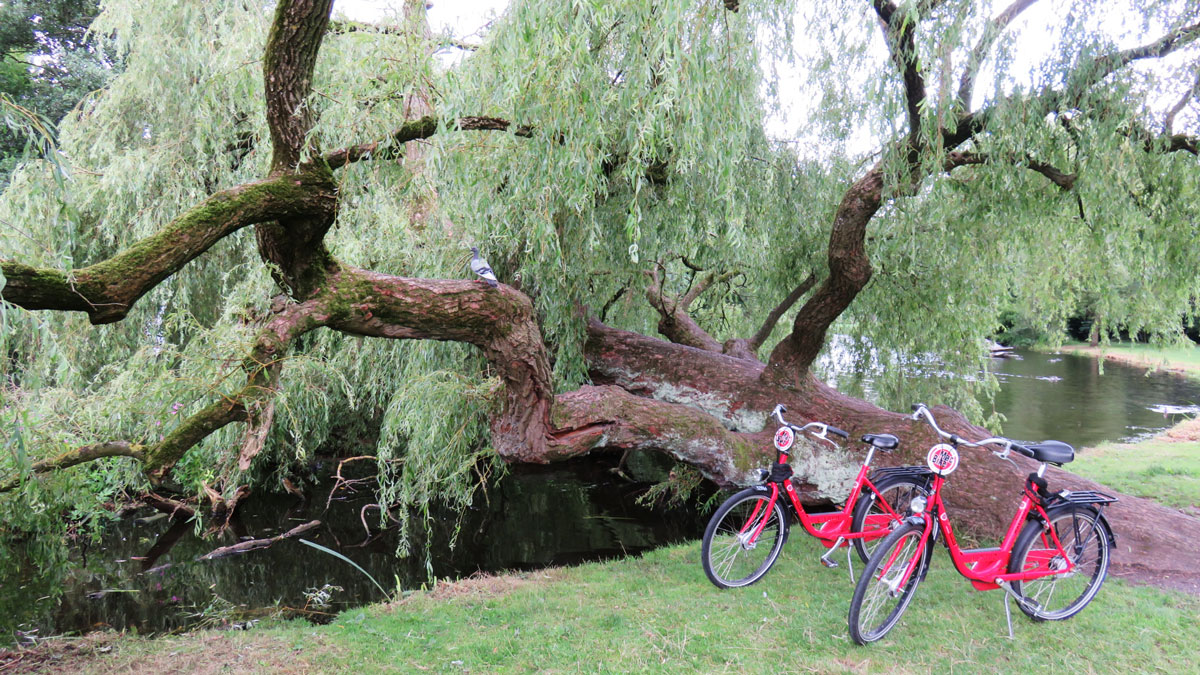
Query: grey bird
point(481, 267)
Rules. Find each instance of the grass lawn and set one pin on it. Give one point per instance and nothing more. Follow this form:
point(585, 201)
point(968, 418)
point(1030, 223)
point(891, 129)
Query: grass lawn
point(658, 613)
point(1184, 359)
point(1165, 469)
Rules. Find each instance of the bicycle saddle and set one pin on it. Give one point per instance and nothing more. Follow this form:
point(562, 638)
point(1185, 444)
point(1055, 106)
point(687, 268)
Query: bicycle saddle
point(1051, 452)
point(882, 441)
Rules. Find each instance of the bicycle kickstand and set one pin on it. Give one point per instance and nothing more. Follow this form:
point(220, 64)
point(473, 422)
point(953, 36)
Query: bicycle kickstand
point(1008, 614)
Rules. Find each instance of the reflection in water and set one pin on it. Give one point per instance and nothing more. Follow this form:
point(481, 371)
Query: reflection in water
point(1079, 400)
point(147, 577)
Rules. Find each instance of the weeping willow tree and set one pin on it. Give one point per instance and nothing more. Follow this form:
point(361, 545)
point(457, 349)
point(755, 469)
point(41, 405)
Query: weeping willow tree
point(260, 249)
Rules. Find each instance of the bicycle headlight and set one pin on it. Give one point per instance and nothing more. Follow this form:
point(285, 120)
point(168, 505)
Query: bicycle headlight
point(763, 474)
point(917, 505)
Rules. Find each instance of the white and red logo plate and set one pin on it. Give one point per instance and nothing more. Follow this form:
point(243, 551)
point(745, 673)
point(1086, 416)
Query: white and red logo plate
point(942, 459)
point(784, 438)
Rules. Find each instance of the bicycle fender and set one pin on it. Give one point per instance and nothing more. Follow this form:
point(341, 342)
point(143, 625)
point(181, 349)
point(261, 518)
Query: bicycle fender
point(1112, 536)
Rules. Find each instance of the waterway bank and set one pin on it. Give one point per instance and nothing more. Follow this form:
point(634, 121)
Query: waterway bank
point(1165, 468)
point(1179, 360)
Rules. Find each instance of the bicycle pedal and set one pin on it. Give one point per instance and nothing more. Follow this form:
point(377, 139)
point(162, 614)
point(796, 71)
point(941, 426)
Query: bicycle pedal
point(829, 563)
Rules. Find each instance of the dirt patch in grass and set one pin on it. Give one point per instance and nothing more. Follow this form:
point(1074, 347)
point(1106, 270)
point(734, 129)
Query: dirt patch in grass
point(1184, 432)
point(482, 584)
point(202, 652)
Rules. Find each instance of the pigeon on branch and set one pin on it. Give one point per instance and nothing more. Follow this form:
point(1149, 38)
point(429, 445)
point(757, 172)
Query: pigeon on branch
point(481, 267)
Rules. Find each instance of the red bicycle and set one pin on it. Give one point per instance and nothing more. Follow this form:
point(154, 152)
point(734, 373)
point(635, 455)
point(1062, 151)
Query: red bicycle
point(744, 537)
point(1052, 561)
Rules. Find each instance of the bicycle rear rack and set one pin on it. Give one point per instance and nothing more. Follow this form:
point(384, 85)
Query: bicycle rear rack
point(1081, 497)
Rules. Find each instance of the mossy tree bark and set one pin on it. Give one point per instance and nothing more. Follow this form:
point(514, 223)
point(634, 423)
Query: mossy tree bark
point(702, 400)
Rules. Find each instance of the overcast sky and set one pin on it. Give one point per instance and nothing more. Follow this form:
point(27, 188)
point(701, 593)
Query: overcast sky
point(467, 18)
point(461, 17)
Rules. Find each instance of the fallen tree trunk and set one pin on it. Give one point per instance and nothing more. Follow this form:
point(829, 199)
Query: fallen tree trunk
point(1153, 541)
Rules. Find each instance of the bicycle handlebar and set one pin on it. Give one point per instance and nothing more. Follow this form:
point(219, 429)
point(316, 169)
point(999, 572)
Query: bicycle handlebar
point(821, 427)
point(920, 410)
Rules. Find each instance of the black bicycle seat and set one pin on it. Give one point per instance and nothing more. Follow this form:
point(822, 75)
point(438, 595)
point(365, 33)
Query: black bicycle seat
point(882, 441)
point(1052, 452)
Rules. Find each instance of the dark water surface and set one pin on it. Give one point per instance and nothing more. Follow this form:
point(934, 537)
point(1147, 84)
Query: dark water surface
point(1066, 397)
point(146, 576)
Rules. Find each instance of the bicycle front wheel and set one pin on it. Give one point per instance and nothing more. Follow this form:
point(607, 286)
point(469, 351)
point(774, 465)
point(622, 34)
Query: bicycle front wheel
point(888, 583)
point(1085, 539)
point(871, 516)
point(731, 555)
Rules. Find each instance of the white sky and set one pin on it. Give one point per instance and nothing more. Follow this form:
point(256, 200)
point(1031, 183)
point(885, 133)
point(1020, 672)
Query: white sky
point(468, 19)
point(463, 18)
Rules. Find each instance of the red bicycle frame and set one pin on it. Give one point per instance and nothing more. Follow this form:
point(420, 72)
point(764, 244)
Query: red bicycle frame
point(831, 529)
point(985, 567)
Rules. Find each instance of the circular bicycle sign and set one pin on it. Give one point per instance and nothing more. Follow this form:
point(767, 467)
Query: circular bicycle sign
point(942, 459)
point(784, 438)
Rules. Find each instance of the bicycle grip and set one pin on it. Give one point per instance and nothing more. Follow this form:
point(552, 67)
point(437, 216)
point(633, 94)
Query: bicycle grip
point(837, 432)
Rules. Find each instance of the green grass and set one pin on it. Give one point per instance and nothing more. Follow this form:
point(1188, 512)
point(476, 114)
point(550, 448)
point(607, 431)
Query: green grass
point(1167, 472)
point(1184, 359)
point(658, 613)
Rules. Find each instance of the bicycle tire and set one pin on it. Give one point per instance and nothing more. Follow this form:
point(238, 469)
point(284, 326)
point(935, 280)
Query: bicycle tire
point(897, 491)
point(1083, 535)
point(728, 561)
point(874, 588)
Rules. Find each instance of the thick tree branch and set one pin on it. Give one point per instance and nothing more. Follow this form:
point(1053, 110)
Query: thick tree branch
point(991, 32)
point(500, 321)
point(1194, 92)
point(291, 55)
point(107, 290)
point(1108, 64)
point(768, 324)
point(80, 455)
point(849, 272)
point(425, 127)
point(1184, 143)
point(901, 38)
point(674, 322)
point(262, 368)
point(1063, 180)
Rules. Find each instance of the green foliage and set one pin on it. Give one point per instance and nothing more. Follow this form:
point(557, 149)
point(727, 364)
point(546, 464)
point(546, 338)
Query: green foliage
point(649, 146)
point(48, 63)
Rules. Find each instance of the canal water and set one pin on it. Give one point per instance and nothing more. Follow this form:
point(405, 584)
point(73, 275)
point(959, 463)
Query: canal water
point(147, 576)
point(1083, 401)
point(144, 573)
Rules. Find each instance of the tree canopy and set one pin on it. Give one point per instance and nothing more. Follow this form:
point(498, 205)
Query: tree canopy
point(260, 251)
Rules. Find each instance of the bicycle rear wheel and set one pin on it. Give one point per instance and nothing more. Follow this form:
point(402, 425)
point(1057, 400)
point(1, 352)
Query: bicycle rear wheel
point(869, 513)
point(730, 559)
point(1085, 538)
point(888, 583)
